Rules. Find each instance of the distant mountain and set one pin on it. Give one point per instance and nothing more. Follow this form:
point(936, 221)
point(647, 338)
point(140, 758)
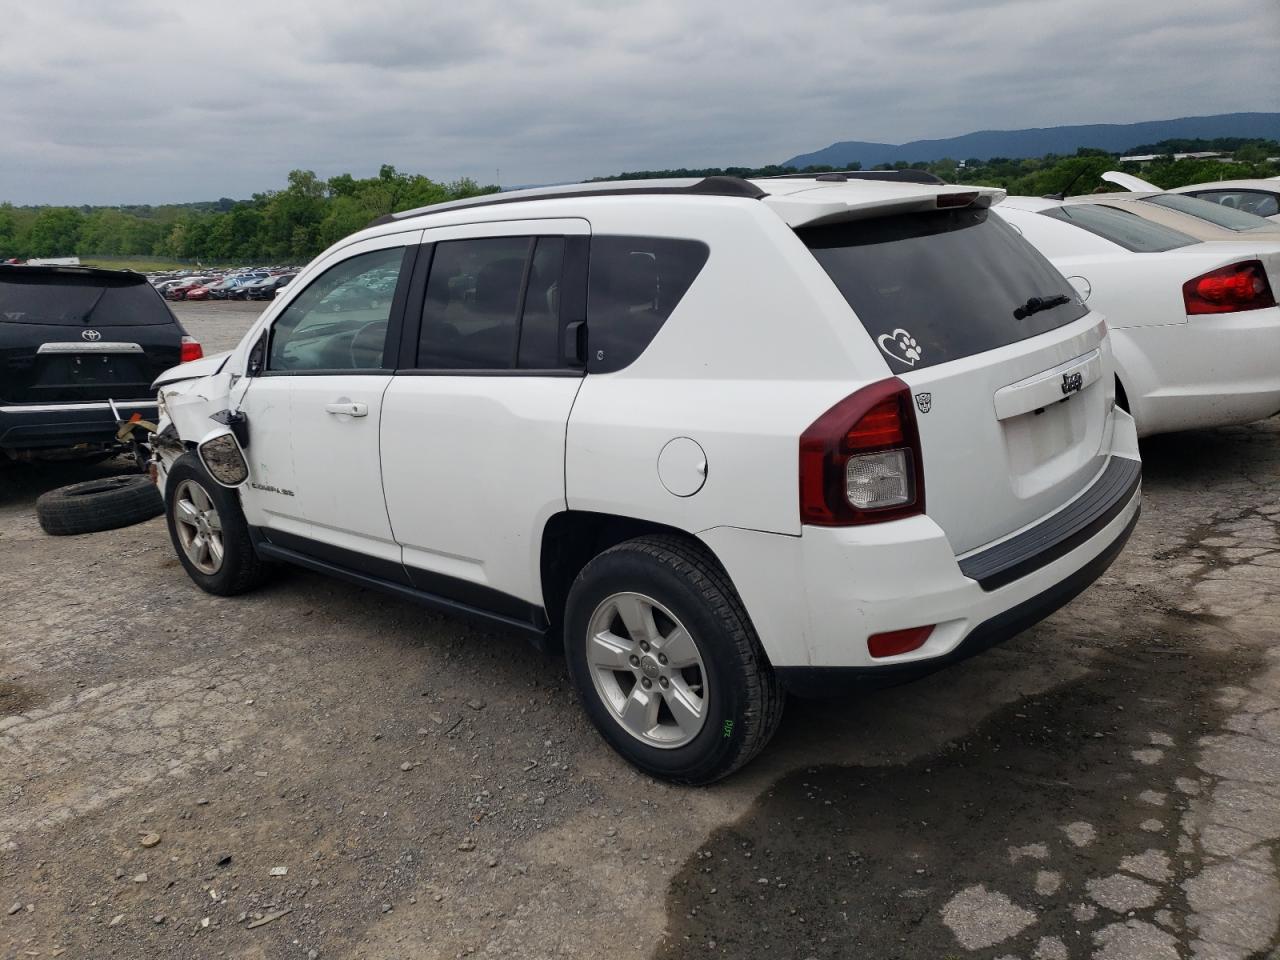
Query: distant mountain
point(1036, 142)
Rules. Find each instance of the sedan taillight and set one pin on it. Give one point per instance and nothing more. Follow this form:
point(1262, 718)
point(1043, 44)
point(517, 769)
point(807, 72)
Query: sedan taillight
point(1241, 286)
point(860, 462)
point(191, 350)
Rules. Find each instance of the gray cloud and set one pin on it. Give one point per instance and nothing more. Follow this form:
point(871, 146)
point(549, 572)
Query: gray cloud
point(144, 100)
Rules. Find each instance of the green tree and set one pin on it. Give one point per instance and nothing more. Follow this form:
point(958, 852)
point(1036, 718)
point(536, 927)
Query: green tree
point(55, 232)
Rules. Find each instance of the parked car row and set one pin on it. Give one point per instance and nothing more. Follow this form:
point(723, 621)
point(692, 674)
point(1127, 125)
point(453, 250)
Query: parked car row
point(260, 284)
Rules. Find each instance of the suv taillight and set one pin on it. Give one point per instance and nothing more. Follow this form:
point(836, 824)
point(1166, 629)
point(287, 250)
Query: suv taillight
point(191, 350)
point(860, 461)
point(1241, 286)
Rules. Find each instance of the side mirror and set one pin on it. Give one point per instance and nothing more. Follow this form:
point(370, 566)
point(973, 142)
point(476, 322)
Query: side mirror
point(221, 455)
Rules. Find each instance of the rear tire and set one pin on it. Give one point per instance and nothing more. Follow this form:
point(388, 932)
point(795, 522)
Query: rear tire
point(711, 702)
point(95, 505)
point(209, 531)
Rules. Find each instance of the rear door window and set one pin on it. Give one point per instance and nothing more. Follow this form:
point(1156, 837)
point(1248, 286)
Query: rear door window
point(1125, 229)
point(633, 285)
point(935, 287)
point(67, 299)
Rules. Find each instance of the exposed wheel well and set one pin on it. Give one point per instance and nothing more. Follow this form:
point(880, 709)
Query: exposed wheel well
point(571, 539)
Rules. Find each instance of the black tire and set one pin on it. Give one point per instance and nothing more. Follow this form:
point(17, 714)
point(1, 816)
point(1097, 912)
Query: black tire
point(744, 700)
point(95, 505)
point(241, 568)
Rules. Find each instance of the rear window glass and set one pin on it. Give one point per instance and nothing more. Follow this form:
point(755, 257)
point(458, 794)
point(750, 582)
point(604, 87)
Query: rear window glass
point(1257, 202)
point(1215, 213)
point(66, 299)
point(633, 285)
point(934, 287)
point(1125, 229)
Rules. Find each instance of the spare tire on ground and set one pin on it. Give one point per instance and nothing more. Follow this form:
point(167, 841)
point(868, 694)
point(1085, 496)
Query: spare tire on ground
point(98, 505)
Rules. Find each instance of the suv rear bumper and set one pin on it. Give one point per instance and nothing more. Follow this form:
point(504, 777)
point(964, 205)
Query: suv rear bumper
point(816, 598)
point(43, 425)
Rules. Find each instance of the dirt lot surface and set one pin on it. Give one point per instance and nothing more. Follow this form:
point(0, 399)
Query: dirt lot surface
point(318, 771)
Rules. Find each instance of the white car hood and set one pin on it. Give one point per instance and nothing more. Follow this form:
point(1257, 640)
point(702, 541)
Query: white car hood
point(204, 367)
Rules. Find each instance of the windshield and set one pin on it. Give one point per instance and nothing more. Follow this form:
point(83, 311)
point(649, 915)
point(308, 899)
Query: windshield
point(1215, 213)
point(1125, 229)
point(934, 287)
point(64, 299)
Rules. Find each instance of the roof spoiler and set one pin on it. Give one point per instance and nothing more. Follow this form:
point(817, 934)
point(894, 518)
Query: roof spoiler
point(842, 176)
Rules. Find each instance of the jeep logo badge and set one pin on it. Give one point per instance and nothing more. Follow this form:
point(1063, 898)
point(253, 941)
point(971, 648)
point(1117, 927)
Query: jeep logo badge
point(924, 401)
point(1072, 383)
point(93, 336)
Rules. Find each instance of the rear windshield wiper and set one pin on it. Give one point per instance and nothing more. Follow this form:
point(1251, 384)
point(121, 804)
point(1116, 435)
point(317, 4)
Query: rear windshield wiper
point(1036, 304)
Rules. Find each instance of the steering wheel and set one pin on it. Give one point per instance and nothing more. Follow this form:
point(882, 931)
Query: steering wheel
point(368, 343)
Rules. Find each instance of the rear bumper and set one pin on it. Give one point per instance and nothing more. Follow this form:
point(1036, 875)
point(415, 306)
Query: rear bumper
point(831, 681)
point(43, 426)
point(816, 598)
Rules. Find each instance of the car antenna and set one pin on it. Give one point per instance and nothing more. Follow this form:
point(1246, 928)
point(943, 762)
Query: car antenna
point(1062, 194)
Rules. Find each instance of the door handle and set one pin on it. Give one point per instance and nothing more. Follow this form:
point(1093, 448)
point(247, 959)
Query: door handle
point(347, 408)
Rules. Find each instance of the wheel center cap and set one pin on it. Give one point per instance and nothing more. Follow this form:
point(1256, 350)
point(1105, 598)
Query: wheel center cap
point(649, 667)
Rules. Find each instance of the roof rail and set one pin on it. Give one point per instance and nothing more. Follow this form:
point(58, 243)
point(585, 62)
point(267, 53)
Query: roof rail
point(706, 187)
point(840, 176)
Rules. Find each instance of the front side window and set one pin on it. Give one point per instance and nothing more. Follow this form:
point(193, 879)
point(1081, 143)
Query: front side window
point(339, 322)
point(493, 304)
point(1258, 202)
point(1125, 229)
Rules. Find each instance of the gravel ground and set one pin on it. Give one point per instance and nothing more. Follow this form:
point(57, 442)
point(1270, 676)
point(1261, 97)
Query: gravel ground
point(318, 771)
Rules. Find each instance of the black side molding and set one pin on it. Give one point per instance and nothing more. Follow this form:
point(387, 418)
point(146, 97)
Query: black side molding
point(447, 594)
point(840, 681)
point(1059, 534)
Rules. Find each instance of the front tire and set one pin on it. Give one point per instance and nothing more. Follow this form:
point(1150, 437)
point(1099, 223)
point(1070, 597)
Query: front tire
point(667, 663)
point(209, 531)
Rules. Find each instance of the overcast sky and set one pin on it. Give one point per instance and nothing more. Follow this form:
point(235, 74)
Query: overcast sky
point(156, 101)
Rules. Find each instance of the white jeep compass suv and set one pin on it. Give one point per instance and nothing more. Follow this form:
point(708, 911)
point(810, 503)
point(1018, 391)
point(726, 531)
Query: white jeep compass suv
point(721, 438)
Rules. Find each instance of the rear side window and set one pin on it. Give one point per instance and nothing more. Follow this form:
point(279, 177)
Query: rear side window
point(935, 287)
point(1258, 202)
point(1125, 229)
point(493, 304)
point(633, 285)
point(85, 300)
point(1217, 214)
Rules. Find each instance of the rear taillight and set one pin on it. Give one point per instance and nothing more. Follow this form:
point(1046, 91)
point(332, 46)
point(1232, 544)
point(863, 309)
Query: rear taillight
point(860, 461)
point(1241, 286)
point(191, 350)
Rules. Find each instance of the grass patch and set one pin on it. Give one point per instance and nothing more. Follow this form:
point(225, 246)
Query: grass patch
point(143, 264)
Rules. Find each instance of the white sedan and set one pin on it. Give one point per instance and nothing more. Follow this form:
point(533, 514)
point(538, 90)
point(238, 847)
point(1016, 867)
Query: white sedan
point(1195, 326)
point(1259, 196)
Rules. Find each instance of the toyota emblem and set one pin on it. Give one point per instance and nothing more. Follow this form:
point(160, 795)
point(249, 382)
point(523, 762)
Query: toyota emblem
point(93, 336)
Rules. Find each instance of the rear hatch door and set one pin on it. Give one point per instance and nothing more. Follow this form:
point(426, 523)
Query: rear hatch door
point(1011, 374)
point(69, 336)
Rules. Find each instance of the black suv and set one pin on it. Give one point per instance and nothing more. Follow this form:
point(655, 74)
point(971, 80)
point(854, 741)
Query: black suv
point(72, 339)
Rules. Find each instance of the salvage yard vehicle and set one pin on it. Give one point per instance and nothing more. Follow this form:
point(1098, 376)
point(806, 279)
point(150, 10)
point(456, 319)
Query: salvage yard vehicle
point(721, 439)
point(1259, 196)
point(72, 339)
point(1194, 325)
point(1196, 218)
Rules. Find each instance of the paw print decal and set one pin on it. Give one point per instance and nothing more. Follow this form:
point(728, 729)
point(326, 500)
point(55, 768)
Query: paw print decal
point(901, 345)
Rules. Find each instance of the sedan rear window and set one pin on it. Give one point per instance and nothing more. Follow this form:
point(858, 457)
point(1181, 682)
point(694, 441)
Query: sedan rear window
point(71, 299)
point(934, 287)
point(1125, 229)
point(1215, 213)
